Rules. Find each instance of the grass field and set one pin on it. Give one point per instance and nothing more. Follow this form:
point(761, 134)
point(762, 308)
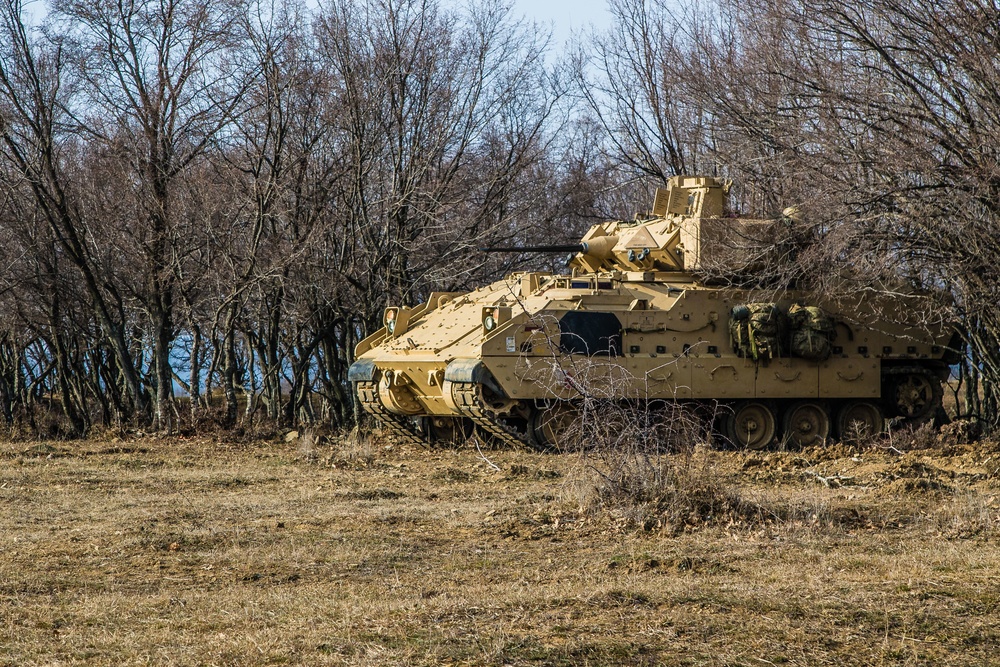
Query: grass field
point(196, 552)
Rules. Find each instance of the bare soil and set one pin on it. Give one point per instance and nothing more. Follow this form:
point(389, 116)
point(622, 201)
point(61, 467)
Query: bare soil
point(340, 552)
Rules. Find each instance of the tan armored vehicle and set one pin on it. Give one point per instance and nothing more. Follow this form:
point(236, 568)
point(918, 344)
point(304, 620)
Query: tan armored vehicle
point(633, 322)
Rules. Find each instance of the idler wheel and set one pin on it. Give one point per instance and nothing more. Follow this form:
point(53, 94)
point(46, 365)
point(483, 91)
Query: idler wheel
point(806, 424)
point(750, 425)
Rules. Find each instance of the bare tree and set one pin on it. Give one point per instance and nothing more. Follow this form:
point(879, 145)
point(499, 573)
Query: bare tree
point(443, 114)
point(632, 77)
point(156, 92)
point(35, 87)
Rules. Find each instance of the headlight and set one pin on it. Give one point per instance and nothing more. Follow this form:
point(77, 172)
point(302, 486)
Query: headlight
point(494, 316)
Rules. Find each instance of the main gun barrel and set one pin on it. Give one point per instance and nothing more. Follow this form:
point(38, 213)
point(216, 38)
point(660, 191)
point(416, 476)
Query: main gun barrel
point(569, 247)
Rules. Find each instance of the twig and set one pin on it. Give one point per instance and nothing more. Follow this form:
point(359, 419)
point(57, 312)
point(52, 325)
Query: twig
point(837, 479)
point(483, 456)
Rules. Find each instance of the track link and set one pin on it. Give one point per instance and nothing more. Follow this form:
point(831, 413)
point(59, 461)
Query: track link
point(469, 399)
point(399, 426)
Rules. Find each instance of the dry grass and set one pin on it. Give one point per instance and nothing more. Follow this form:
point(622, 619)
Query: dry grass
point(359, 553)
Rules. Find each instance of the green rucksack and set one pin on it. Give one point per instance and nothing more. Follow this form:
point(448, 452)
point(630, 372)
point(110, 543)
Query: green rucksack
point(812, 332)
point(758, 330)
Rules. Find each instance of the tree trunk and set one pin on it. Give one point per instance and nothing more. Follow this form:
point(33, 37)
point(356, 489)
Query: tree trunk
point(194, 379)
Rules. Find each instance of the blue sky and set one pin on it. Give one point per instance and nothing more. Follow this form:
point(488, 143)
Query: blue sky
point(565, 16)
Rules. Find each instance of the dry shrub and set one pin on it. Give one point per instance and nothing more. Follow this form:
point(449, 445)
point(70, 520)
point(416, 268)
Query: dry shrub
point(307, 443)
point(18, 431)
point(921, 436)
point(960, 432)
point(896, 439)
point(903, 439)
point(651, 466)
point(355, 449)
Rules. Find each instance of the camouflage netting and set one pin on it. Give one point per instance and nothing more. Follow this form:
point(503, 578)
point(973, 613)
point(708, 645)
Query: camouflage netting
point(812, 332)
point(758, 330)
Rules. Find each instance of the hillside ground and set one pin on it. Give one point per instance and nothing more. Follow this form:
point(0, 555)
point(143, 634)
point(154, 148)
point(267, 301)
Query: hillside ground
point(340, 551)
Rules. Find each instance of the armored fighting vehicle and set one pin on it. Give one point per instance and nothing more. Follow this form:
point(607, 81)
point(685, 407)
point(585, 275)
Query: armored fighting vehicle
point(636, 320)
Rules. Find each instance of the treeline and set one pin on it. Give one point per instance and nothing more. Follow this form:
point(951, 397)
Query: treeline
point(223, 196)
point(218, 198)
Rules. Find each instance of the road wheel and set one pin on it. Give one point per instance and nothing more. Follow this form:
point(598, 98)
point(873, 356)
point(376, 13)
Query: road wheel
point(859, 420)
point(807, 424)
point(751, 425)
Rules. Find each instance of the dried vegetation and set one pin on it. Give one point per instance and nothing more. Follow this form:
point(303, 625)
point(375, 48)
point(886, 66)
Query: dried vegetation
point(353, 551)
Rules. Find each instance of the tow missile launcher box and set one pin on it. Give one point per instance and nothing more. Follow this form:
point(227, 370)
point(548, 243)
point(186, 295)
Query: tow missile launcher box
point(636, 320)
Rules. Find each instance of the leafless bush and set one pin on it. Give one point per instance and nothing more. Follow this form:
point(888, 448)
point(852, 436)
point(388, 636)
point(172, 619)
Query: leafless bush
point(645, 459)
point(649, 464)
point(355, 449)
point(914, 437)
point(919, 436)
point(307, 444)
point(960, 432)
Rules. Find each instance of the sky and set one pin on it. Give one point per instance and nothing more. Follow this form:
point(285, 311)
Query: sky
point(565, 16)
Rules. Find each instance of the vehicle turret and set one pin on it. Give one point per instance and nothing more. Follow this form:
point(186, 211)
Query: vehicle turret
point(689, 229)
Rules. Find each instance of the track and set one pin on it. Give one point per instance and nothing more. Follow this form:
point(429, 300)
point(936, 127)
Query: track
point(399, 426)
point(469, 399)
